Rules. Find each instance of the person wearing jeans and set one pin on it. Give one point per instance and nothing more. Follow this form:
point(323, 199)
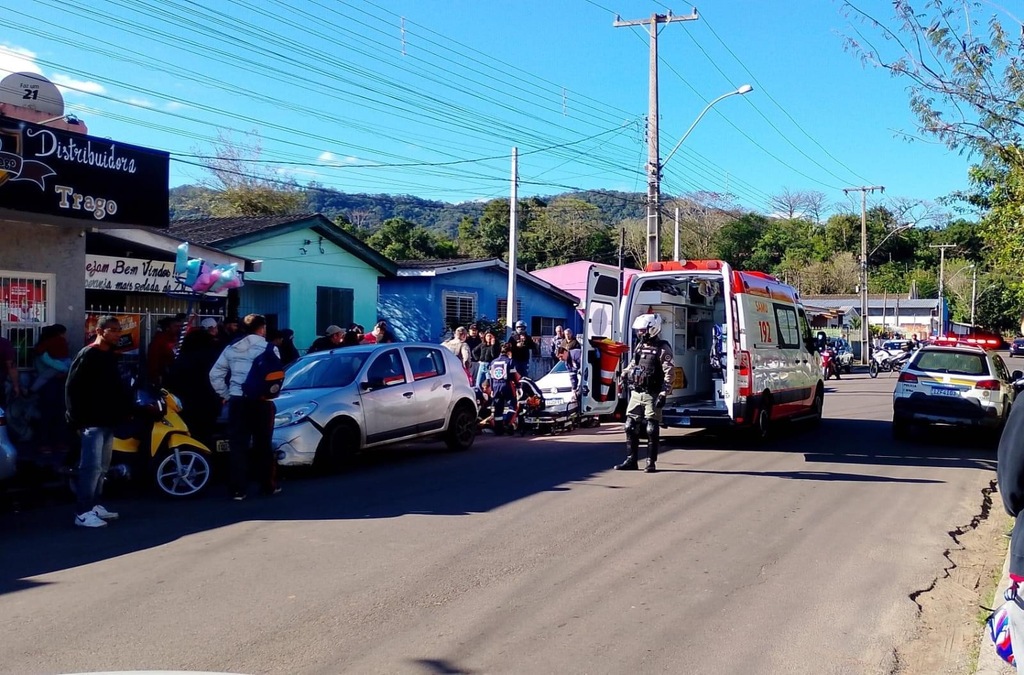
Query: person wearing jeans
point(250, 420)
point(97, 401)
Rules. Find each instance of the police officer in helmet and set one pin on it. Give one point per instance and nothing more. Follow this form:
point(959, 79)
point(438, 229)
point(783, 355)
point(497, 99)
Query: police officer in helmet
point(649, 376)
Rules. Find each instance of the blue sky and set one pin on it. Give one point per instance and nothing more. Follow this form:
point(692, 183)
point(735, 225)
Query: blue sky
point(328, 88)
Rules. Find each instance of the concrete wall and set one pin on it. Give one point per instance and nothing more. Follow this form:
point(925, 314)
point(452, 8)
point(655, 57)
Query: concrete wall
point(284, 262)
point(47, 249)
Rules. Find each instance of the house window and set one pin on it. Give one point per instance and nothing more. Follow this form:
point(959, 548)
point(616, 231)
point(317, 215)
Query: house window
point(459, 308)
point(503, 310)
point(333, 307)
point(26, 305)
point(542, 325)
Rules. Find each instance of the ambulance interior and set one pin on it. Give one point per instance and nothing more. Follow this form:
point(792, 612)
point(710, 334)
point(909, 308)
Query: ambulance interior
point(692, 308)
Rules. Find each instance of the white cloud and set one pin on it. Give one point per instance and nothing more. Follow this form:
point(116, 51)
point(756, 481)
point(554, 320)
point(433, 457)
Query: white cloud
point(332, 159)
point(141, 102)
point(78, 85)
point(174, 105)
point(17, 60)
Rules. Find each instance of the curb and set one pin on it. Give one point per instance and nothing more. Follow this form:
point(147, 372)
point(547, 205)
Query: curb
point(989, 662)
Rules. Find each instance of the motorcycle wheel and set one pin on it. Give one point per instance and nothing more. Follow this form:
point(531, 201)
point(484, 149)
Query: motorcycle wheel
point(182, 472)
point(873, 369)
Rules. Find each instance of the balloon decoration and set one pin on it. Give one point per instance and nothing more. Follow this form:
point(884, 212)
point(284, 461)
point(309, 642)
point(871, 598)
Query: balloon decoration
point(199, 276)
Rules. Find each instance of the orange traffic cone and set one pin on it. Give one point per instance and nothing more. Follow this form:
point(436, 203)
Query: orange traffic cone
point(609, 353)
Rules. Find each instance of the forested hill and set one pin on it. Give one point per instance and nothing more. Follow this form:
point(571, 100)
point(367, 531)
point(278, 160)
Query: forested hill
point(368, 211)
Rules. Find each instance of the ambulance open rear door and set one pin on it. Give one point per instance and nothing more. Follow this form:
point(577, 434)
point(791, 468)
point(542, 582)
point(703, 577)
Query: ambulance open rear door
point(600, 364)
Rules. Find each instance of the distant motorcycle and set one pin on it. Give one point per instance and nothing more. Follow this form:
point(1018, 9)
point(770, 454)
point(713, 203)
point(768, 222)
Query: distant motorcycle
point(829, 364)
point(886, 361)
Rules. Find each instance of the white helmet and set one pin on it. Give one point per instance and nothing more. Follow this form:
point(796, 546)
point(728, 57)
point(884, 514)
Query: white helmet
point(649, 323)
point(520, 324)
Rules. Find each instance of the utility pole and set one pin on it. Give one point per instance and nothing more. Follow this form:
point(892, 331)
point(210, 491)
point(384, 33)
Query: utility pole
point(676, 246)
point(942, 284)
point(864, 332)
point(513, 244)
point(653, 151)
point(974, 291)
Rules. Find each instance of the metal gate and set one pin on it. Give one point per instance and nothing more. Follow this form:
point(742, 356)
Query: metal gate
point(268, 299)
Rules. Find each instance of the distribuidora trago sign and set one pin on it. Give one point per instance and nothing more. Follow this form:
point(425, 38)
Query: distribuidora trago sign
point(128, 275)
point(101, 182)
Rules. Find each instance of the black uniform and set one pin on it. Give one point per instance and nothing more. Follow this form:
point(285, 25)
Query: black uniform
point(649, 376)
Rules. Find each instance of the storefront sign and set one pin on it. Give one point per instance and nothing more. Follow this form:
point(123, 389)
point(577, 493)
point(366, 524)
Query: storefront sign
point(129, 275)
point(55, 172)
point(131, 331)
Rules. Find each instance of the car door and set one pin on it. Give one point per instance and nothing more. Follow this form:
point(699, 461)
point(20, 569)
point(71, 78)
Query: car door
point(432, 386)
point(387, 397)
point(1005, 381)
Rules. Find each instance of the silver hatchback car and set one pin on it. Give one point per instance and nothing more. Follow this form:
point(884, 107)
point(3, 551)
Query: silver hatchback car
point(338, 402)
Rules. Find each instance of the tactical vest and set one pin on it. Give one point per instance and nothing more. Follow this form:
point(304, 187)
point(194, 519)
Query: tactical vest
point(647, 375)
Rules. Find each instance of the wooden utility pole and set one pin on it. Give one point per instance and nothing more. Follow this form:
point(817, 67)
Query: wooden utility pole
point(864, 332)
point(513, 244)
point(942, 284)
point(653, 151)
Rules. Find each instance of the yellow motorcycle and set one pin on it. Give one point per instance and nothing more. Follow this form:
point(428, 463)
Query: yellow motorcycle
point(180, 464)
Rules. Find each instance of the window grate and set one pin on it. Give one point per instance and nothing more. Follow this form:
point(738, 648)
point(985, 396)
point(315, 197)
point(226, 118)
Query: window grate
point(26, 305)
point(459, 309)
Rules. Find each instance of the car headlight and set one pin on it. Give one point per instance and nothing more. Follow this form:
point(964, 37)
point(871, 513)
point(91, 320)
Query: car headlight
point(294, 416)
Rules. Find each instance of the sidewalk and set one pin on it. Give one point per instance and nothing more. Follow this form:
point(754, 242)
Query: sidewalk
point(989, 662)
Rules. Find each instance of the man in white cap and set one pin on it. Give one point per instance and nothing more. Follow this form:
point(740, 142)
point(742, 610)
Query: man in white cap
point(209, 324)
point(331, 338)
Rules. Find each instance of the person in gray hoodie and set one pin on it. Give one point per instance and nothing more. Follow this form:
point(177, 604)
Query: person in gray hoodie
point(250, 420)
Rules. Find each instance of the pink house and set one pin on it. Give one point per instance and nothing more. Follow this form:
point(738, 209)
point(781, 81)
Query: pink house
point(572, 277)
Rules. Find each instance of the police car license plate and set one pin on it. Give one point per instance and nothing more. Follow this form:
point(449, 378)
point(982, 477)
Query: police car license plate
point(946, 391)
point(222, 446)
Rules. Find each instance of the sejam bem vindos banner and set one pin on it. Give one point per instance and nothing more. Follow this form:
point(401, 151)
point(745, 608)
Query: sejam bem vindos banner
point(95, 180)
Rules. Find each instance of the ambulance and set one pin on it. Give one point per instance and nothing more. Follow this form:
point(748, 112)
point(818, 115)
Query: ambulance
point(742, 346)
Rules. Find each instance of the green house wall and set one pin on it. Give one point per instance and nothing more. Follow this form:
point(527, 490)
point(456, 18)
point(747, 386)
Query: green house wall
point(284, 262)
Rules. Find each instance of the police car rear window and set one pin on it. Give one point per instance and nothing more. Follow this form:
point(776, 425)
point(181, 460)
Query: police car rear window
point(953, 363)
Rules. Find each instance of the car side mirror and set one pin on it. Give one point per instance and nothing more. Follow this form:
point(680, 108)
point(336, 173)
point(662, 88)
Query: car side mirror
point(811, 344)
point(370, 385)
point(1017, 375)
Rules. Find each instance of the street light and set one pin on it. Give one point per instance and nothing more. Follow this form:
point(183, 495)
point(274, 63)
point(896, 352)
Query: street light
point(745, 89)
point(654, 186)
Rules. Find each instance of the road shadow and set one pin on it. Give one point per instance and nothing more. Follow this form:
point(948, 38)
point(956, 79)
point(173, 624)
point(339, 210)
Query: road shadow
point(404, 480)
point(815, 475)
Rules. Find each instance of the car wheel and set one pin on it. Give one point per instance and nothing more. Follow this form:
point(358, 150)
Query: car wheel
point(900, 428)
point(461, 428)
point(340, 442)
point(182, 472)
point(763, 422)
point(818, 406)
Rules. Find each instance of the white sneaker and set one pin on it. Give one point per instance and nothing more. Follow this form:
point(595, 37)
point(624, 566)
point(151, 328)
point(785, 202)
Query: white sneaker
point(89, 519)
point(103, 514)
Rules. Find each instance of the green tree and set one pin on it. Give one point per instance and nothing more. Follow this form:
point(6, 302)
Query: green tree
point(401, 239)
point(736, 241)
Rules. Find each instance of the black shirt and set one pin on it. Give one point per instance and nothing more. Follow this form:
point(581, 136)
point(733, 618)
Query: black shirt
point(95, 394)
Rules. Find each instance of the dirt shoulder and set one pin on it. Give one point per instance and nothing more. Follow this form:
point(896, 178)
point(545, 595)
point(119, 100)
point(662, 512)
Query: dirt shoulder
point(949, 610)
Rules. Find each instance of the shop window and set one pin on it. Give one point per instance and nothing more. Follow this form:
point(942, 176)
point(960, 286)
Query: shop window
point(333, 307)
point(26, 305)
point(459, 308)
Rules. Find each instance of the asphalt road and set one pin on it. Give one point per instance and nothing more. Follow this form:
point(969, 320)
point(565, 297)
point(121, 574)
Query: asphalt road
point(520, 556)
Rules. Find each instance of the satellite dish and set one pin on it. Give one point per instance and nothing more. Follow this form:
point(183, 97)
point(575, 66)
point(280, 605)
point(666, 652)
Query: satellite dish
point(32, 91)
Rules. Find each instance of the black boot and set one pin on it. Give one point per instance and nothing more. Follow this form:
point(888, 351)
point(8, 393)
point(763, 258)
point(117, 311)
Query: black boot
point(653, 443)
point(632, 446)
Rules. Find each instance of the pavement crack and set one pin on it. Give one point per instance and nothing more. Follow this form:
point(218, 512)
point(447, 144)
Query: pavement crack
point(955, 534)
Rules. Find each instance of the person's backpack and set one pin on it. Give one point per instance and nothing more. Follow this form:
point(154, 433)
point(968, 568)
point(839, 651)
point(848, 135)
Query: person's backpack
point(499, 371)
point(265, 376)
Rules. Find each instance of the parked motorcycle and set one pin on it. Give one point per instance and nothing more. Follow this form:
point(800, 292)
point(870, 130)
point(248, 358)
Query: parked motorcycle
point(829, 364)
point(886, 361)
point(157, 442)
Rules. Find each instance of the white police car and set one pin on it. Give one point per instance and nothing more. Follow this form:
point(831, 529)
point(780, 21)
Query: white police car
point(959, 385)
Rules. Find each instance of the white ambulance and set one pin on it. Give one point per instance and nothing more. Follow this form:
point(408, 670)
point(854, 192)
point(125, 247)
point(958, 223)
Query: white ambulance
point(741, 342)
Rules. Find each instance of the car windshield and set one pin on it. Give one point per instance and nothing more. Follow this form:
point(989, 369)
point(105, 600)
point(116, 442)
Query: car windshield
point(329, 370)
point(954, 363)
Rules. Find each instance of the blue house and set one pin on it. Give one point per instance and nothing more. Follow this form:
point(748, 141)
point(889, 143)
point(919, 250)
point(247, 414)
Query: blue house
point(426, 299)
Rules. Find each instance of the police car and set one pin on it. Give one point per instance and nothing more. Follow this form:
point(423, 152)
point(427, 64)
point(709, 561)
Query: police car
point(958, 385)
